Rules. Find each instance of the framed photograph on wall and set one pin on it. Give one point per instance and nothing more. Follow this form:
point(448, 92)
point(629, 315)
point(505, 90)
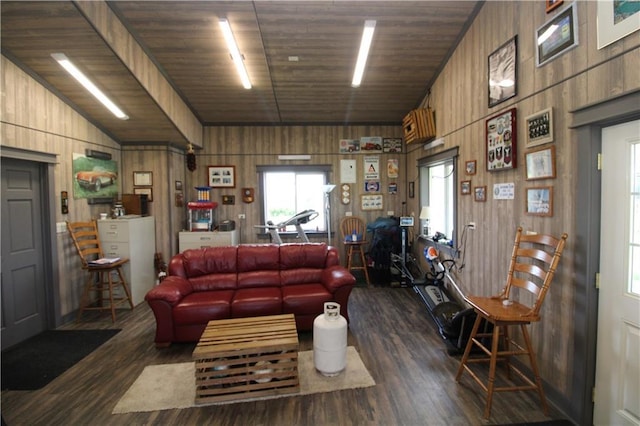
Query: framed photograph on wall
point(616, 20)
point(222, 176)
point(553, 4)
point(465, 187)
point(540, 201)
point(541, 163)
point(501, 141)
point(142, 178)
point(503, 72)
point(480, 193)
point(470, 167)
point(539, 127)
point(557, 35)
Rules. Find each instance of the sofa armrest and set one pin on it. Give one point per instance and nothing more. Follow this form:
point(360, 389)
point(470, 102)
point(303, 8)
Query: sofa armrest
point(336, 277)
point(171, 290)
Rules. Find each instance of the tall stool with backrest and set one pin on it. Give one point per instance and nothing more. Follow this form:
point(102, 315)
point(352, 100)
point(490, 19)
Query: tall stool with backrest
point(101, 280)
point(349, 226)
point(533, 264)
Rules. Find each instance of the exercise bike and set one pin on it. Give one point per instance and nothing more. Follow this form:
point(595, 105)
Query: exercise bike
point(297, 220)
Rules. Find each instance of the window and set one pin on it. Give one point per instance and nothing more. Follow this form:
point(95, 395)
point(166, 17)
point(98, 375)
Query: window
point(438, 179)
point(287, 190)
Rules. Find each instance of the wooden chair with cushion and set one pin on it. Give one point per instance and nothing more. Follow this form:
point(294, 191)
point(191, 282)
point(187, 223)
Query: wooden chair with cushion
point(349, 226)
point(533, 264)
point(104, 279)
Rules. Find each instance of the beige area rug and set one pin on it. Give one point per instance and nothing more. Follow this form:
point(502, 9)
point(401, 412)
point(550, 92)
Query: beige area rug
point(168, 386)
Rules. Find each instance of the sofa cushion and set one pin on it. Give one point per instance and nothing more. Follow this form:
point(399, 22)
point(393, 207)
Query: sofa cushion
point(209, 260)
point(258, 257)
point(256, 279)
point(300, 276)
point(304, 299)
point(251, 302)
point(307, 255)
point(202, 307)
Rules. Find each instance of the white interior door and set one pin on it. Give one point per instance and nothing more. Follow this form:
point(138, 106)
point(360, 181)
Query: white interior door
point(617, 393)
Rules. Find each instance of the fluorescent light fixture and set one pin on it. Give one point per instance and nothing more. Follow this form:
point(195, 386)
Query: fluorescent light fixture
point(88, 84)
point(294, 157)
point(434, 143)
point(238, 60)
point(365, 44)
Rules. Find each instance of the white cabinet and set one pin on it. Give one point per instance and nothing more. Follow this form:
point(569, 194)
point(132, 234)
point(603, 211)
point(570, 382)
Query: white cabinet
point(193, 240)
point(134, 238)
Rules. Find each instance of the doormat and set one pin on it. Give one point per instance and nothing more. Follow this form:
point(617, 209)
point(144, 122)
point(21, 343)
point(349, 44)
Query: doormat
point(169, 386)
point(544, 423)
point(34, 363)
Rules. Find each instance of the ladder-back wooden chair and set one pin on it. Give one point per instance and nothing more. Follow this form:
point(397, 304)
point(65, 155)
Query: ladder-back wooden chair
point(533, 264)
point(349, 226)
point(101, 280)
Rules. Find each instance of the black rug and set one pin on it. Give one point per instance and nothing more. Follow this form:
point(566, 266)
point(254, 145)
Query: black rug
point(544, 423)
point(32, 364)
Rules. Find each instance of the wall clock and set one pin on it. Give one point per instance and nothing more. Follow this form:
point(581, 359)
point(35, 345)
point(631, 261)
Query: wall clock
point(345, 193)
point(247, 195)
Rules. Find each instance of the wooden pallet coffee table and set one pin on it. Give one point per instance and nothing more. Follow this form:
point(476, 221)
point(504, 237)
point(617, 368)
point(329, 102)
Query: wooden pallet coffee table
point(246, 358)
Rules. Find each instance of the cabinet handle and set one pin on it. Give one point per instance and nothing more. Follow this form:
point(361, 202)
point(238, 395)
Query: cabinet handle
point(205, 238)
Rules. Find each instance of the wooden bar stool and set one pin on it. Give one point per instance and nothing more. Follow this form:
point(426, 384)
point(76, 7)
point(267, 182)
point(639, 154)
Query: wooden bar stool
point(533, 264)
point(101, 279)
point(349, 226)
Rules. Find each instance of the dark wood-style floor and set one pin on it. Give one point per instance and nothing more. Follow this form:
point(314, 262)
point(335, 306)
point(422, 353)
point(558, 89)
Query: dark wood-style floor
point(390, 327)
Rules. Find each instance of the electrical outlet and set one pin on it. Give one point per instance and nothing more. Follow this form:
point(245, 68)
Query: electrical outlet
point(242, 216)
point(472, 225)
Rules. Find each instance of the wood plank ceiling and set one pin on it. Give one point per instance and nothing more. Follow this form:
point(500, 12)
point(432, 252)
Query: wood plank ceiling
point(412, 42)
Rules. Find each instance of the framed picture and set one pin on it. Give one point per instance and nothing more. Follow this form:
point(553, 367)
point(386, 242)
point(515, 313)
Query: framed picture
point(540, 201)
point(503, 72)
point(480, 193)
point(470, 167)
point(228, 199)
point(501, 141)
point(142, 178)
point(553, 4)
point(539, 127)
point(371, 202)
point(222, 176)
point(541, 163)
point(557, 35)
point(144, 191)
point(616, 20)
point(412, 189)
point(465, 187)
point(178, 185)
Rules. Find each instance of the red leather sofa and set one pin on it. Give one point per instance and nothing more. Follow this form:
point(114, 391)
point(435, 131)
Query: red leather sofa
point(244, 281)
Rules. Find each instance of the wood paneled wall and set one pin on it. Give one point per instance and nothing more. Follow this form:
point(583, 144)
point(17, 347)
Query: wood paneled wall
point(35, 119)
point(580, 77)
point(248, 147)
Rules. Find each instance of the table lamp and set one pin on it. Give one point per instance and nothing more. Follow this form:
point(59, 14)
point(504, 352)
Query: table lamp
point(424, 216)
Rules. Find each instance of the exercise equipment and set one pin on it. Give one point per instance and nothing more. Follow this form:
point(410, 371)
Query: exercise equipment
point(297, 220)
point(453, 320)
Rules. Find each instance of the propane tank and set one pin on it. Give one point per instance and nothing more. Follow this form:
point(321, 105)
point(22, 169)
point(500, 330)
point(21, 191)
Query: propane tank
point(330, 341)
